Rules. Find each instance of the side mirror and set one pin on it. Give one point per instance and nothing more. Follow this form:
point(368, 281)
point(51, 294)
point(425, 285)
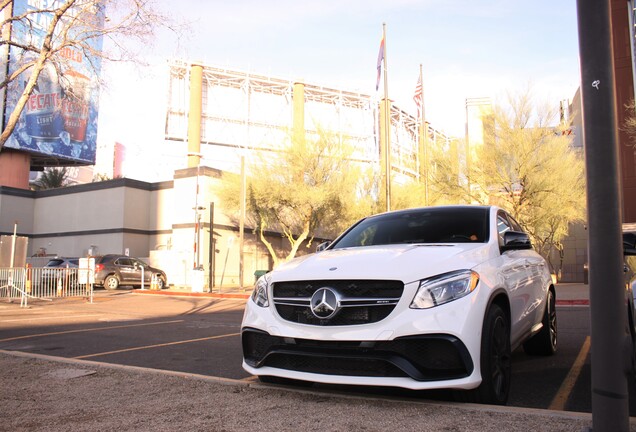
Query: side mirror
point(322, 246)
point(514, 240)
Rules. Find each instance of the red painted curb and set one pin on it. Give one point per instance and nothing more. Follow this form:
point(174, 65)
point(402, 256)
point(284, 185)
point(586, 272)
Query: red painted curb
point(573, 302)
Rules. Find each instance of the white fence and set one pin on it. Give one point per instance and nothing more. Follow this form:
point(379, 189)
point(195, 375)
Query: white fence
point(45, 283)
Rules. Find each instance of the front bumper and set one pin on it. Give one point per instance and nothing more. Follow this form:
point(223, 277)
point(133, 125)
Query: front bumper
point(420, 358)
point(414, 349)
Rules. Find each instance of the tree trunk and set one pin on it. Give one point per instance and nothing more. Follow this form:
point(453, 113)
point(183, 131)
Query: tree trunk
point(268, 245)
point(296, 243)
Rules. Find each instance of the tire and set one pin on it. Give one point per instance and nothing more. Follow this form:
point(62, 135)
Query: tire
point(495, 361)
point(111, 282)
point(545, 342)
point(161, 283)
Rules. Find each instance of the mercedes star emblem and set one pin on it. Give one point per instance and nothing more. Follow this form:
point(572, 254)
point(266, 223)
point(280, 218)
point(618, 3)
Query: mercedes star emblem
point(325, 303)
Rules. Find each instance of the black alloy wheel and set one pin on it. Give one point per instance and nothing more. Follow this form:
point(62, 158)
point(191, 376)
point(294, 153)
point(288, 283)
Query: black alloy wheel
point(546, 341)
point(552, 321)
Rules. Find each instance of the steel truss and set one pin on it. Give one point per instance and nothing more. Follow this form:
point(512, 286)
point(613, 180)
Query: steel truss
point(244, 110)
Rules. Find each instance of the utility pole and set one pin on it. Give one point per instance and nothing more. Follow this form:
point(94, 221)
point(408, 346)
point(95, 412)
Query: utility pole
point(387, 124)
point(610, 361)
point(423, 138)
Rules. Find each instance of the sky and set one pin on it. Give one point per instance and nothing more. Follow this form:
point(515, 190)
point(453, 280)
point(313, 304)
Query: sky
point(478, 48)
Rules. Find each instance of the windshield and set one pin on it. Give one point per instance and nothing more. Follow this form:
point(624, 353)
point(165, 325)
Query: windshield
point(430, 225)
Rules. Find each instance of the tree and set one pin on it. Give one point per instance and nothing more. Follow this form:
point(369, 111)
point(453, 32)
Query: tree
point(443, 180)
point(307, 185)
point(45, 36)
point(51, 178)
point(527, 166)
point(100, 177)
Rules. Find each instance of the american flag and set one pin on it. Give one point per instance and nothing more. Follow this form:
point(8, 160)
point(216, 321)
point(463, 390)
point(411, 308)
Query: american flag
point(418, 97)
point(380, 59)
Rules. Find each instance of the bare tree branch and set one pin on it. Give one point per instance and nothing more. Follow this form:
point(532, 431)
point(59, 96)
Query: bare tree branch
point(73, 25)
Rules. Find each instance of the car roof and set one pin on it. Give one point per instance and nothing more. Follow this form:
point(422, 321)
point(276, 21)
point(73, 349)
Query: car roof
point(440, 207)
point(431, 208)
point(113, 257)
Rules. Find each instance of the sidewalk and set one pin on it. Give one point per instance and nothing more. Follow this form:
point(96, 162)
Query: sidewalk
point(43, 393)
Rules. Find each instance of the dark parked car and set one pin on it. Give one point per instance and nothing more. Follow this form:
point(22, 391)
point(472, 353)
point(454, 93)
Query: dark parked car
point(111, 271)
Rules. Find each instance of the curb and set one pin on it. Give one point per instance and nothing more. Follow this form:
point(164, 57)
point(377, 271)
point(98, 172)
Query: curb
point(572, 302)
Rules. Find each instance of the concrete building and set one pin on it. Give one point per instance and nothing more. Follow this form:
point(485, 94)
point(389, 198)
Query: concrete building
point(148, 220)
point(476, 110)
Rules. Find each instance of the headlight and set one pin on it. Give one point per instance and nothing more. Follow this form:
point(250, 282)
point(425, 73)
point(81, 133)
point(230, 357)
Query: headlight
point(259, 295)
point(444, 288)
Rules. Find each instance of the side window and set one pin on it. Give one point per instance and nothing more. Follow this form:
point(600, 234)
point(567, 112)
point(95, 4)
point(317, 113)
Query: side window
point(138, 263)
point(515, 225)
point(503, 225)
point(124, 262)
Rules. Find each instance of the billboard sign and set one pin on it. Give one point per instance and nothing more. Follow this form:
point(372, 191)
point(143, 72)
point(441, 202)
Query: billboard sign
point(13, 251)
point(60, 117)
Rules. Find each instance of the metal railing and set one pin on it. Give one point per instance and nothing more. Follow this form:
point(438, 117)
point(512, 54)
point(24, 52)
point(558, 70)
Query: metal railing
point(45, 283)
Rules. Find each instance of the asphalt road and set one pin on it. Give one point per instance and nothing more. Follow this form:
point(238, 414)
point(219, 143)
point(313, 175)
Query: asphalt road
point(201, 335)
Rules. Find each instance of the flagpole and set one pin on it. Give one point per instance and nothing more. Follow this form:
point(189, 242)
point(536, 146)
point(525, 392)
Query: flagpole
point(387, 122)
point(424, 137)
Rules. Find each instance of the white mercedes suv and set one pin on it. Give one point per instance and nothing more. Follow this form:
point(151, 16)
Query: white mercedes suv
point(425, 298)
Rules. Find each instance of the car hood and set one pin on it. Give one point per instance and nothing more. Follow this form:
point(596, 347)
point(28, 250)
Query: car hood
point(407, 263)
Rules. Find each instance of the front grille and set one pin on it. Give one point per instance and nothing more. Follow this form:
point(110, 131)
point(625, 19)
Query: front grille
point(348, 316)
point(422, 358)
point(362, 301)
point(352, 288)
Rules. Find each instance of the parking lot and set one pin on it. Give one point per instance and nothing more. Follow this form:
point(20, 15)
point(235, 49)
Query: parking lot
point(201, 335)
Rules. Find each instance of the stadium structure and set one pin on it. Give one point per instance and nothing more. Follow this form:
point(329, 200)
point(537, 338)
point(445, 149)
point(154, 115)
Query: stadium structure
point(241, 113)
